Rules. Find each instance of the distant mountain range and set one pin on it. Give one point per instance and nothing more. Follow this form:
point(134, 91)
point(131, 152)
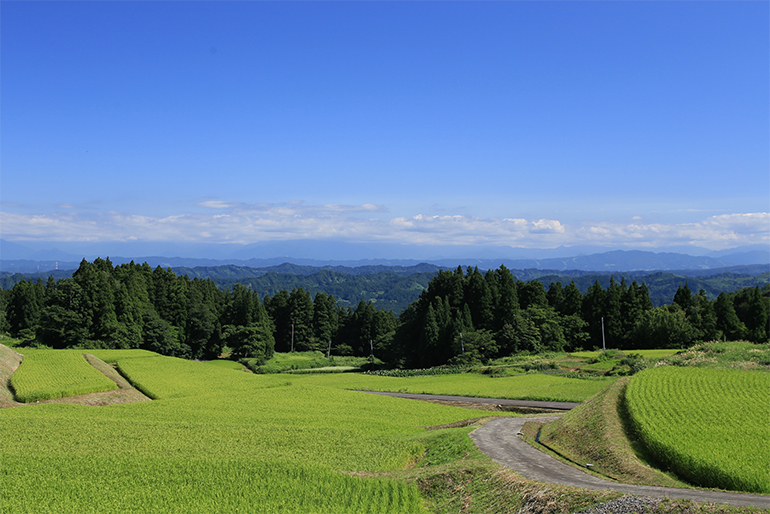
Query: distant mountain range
point(394, 287)
point(19, 259)
point(392, 281)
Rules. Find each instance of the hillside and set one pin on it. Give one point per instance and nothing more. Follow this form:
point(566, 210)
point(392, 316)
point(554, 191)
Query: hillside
point(395, 287)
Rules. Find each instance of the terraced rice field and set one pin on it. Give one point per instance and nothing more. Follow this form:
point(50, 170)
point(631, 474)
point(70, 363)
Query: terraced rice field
point(49, 374)
point(711, 426)
point(217, 441)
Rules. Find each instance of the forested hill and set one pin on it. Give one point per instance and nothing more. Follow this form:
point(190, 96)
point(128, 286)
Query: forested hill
point(394, 287)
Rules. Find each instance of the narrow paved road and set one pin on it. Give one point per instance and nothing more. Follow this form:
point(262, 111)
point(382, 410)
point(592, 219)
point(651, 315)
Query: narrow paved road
point(499, 440)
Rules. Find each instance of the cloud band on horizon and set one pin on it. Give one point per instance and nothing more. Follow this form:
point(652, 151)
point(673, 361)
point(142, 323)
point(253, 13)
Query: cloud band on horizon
point(240, 223)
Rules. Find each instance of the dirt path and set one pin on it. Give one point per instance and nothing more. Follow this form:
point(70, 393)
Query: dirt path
point(499, 440)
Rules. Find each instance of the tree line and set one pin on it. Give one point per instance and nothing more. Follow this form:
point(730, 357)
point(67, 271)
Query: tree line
point(462, 316)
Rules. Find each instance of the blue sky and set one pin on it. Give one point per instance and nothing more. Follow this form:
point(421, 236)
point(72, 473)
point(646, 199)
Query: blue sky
point(524, 124)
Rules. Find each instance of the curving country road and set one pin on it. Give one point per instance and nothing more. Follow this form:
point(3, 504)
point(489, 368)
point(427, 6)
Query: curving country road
point(499, 440)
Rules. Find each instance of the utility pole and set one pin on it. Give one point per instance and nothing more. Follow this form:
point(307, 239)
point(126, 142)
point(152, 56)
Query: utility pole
point(292, 338)
point(371, 356)
point(329, 351)
point(462, 344)
point(604, 346)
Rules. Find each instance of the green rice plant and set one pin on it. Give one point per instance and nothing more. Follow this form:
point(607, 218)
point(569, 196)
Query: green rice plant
point(519, 387)
point(218, 441)
point(112, 356)
point(49, 374)
point(647, 354)
point(710, 426)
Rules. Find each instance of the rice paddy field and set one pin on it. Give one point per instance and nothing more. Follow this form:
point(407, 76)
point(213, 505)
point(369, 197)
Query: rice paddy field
point(48, 374)
point(710, 426)
point(533, 386)
point(216, 440)
point(647, 354)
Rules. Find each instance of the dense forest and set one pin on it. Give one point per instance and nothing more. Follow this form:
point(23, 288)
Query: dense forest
point(461, 316)
point(395, 287)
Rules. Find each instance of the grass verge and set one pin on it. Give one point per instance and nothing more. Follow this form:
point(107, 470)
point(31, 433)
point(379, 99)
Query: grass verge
point(597, 432)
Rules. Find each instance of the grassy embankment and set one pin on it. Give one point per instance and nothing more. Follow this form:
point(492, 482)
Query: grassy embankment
point(709, 425)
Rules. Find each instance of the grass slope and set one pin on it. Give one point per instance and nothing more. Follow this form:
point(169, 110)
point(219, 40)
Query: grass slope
point(9, 362)
point(595, 432)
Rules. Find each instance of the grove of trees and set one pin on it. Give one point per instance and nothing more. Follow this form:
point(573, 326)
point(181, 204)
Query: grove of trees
point(463, 316)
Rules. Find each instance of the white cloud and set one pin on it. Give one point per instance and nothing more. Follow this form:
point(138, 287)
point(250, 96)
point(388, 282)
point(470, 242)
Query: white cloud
point(547, 226)
point(216, 204)
point(240, 223)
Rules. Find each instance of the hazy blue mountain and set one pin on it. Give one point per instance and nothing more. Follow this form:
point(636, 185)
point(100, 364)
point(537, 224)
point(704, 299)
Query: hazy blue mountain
point(38, 256)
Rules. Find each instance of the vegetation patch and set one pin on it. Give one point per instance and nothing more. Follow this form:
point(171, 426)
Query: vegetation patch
point(710, 426)
point(47, 374)
point(293, 362)
point(730, 354)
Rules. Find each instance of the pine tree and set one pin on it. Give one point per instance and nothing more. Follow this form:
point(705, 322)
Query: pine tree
point(594, 305)
point(479, 299)
point(613, 318)
point(683, 297)
point(573, 300)
point(728, 324)
point(531, 294)
point(301, 317)
point(277, 308)
point(756, 319)
point(508, 304)
point(556, 296)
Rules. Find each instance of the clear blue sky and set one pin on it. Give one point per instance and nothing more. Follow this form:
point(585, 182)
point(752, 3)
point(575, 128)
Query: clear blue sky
point(532, 124)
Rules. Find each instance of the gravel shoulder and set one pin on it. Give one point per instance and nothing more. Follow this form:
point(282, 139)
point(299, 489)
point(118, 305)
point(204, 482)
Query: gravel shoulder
point(498, 439)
